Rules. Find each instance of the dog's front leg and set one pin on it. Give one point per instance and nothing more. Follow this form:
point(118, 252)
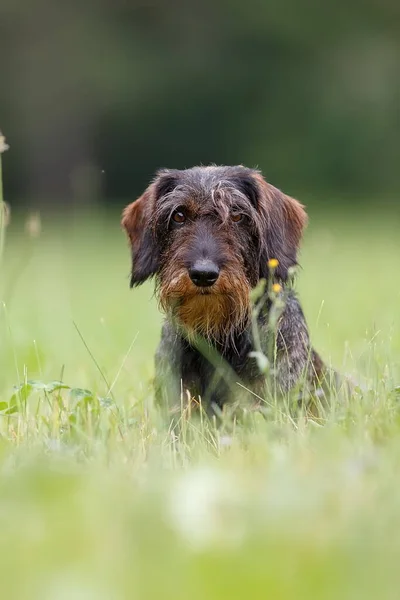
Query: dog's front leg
point(168, 367)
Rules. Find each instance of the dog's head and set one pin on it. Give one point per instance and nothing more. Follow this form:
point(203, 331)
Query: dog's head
point(207, 235)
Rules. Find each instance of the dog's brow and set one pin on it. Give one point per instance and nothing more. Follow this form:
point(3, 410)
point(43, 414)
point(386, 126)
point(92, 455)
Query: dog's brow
point(230, 197)
point(202, 197)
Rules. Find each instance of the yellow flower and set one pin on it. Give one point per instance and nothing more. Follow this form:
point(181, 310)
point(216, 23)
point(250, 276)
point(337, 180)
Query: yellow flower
point(273, 263)
point(276, 288)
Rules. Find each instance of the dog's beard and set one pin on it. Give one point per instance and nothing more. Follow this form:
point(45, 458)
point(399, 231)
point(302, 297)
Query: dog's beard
point(215, 313)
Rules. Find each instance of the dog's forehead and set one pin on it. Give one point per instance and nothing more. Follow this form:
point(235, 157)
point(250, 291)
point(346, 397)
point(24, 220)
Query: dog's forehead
point(208, 178)
point(214, 185)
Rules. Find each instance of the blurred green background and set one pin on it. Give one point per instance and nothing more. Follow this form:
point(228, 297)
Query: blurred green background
point(97, 95)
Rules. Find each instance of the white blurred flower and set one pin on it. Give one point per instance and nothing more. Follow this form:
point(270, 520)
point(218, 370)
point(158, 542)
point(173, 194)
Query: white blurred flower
point(225, 441)
point(68, 586)
point(206, 508)
point(3, 145)
point(33, 225)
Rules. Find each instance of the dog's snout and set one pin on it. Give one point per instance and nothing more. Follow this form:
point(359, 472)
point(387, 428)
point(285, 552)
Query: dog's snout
point(204, 273)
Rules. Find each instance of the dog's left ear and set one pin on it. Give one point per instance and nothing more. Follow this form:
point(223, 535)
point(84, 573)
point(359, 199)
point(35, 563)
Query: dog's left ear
point(136, 220)
point(283, 222)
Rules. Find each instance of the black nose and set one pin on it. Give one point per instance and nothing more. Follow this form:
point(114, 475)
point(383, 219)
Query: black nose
point(204, 273)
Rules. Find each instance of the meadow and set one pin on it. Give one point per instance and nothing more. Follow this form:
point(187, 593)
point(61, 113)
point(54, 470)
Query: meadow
point(99, 501)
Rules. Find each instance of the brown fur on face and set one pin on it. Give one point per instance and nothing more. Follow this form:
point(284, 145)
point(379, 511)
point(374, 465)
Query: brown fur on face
point(215, 313)
point(272, 227)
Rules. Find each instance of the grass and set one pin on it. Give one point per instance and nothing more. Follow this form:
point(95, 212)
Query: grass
point(99, 501)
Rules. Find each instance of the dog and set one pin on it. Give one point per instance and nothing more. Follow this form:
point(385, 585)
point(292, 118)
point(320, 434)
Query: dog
point(209, 235)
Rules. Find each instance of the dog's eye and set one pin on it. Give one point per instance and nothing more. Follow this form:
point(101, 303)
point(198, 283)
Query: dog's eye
point(236, 217)
point(179, 217)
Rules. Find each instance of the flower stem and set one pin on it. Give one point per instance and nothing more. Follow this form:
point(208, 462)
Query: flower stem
point(3, 207)
point(2, 214)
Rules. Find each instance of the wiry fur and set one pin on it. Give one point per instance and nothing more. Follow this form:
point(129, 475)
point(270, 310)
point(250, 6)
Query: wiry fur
point(219, 316)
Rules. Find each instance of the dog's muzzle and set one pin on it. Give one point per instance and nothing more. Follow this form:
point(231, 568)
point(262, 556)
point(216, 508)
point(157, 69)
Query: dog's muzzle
point(204, 273)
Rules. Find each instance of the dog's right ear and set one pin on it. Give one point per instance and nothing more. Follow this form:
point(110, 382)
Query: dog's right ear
point(137, 220)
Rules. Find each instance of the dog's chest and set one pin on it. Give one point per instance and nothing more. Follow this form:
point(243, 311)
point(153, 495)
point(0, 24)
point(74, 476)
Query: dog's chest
point(211, 372)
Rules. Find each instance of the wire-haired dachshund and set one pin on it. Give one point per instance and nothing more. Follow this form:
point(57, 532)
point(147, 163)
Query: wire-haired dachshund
point(209, 236)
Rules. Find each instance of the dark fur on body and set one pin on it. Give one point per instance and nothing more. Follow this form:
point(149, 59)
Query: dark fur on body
point(232, 219)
